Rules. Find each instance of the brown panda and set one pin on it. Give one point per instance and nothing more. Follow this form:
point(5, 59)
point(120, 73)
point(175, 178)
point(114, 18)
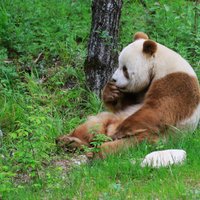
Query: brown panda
point(167, 91)
point(173, 95)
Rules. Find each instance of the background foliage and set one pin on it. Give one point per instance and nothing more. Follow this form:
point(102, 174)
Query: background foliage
point(43, 45)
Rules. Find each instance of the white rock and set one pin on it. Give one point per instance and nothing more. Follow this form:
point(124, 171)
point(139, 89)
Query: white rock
point(80, 159)
point(164, 158)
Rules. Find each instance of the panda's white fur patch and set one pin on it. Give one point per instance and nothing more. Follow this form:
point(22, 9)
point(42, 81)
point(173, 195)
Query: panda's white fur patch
point(168, 61)
point(141, 67)
point(164, 158)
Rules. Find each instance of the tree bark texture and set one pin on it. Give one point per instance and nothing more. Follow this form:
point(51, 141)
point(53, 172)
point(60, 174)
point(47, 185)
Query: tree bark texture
point(102, 54)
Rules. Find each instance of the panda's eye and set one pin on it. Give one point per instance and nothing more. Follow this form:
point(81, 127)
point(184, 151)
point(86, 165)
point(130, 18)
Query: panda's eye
point(125, 71)
point(124, 68)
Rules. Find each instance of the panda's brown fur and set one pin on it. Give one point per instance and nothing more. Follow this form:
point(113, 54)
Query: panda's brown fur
point(140, 35)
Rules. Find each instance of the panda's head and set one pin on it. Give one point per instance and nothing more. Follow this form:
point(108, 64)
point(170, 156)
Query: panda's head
point(135, 64)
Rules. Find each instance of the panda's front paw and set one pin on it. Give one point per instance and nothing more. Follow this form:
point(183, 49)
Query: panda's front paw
point(111, 92)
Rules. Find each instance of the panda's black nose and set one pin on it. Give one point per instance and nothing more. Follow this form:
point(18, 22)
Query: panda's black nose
point(113, 80)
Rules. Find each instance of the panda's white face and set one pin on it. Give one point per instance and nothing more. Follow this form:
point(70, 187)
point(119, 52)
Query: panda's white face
point(134, 71)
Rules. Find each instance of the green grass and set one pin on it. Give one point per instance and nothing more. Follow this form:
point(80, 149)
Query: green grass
point(118, 178)
point(39, 101)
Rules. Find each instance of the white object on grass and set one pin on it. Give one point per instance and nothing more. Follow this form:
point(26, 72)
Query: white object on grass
point(164, 158)
point(78, 160)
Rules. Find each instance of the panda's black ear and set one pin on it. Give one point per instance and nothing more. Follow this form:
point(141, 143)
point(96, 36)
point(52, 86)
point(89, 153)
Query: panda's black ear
point(149, 47)
point(140, 35)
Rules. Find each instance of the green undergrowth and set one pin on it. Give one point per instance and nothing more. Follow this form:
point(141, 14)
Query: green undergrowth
point(43, 94)
point(121, 177)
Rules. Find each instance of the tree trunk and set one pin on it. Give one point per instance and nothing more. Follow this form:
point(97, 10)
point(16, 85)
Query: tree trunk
point(102, 55)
